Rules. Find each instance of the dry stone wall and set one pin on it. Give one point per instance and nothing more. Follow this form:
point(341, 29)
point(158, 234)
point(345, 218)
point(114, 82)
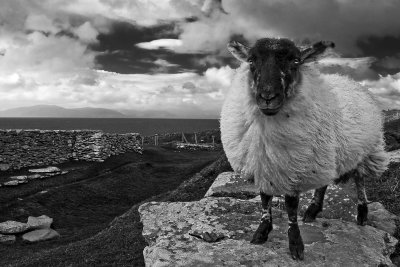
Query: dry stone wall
point(28, 148)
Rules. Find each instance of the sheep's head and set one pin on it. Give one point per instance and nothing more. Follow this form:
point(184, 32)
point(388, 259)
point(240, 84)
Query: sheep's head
point(275, 68)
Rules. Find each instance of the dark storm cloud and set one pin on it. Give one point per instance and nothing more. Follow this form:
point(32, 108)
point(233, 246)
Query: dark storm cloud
point(120, 54)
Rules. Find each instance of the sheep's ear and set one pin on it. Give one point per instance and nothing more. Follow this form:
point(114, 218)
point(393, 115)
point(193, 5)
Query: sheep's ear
point(238, 50)
point(312, 53)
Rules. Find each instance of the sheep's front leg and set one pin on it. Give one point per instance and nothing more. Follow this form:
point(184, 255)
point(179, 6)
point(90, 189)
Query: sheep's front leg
point(316, 205)
point(296, 245)
point(261, 234)
point(362, 208)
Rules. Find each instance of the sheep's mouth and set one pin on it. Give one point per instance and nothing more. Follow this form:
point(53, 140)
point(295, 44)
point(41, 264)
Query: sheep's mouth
point(270, 111)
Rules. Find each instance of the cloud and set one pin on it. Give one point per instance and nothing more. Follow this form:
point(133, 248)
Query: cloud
point(86, 32)
point(386, 90)
point(184, 94)
point(344, 22)
point(390, 62)
point(160, 43)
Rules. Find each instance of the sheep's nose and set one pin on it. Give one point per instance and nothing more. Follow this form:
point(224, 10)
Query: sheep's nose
point(268, 96)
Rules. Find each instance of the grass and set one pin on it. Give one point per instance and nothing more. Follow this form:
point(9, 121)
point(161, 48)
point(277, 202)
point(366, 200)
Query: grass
point(86, 203)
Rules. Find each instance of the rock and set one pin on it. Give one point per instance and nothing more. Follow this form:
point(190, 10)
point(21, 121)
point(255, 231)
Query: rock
point(7, 239)
point(338, 203)
point(19, 177)
point(45, 170)
point(230, 184)
point(40, 235)
point(217, 232)
point(13, 227)
point(11, 183)
point(380, 218)
point(34, 176)
point(41, 222)
point(4, 167)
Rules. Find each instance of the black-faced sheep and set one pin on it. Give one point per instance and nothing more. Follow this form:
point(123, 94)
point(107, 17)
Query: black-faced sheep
point(295, 129)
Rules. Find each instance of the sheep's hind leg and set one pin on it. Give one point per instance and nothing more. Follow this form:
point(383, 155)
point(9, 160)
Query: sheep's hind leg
point(316, 205)
point(265, 227)
point(362, 208)
point(296, 245)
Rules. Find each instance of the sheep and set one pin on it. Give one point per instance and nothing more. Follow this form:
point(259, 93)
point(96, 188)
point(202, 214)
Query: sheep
point(295, 129)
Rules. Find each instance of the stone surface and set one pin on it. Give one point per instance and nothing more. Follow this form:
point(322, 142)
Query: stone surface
point(13, 227)
point(34, 176)
point(340, 201)
point(380, 218)
point(4, 167)
point(33, 148)
point(217, 231)
point(19, 177)
point(11, 183)
point(7, 239)
point(45, 170)
point(40, 235)
point(229, 184)
point(41, 222)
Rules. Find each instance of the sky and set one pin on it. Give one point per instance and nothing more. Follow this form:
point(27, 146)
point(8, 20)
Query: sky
point(169, 57)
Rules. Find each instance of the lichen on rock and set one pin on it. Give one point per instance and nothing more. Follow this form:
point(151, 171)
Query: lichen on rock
point(173, 233)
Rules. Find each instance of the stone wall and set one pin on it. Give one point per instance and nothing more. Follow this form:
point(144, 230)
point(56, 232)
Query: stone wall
point(27, 148)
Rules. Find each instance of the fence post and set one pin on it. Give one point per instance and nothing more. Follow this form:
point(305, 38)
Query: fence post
point(213, 140)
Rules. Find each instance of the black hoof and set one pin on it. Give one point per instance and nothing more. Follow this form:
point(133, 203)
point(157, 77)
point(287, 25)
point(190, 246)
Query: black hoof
point(311, 213)
point(296, 245)
point(362, 215)
point(261, 234)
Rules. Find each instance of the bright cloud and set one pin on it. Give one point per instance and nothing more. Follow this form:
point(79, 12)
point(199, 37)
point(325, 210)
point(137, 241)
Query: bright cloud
point(161, 43)
point(387, 90)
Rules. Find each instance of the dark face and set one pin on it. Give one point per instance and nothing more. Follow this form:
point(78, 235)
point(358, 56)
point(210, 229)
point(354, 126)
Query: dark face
point(274, 66)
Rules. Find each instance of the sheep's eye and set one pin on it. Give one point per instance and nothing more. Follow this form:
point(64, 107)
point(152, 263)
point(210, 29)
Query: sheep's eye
point(296, 61)
point(250, 61)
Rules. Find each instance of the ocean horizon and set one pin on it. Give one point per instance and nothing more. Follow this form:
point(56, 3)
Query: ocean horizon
point(143, 126)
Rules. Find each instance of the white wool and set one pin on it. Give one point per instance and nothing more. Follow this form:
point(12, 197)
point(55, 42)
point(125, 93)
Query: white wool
point(329, 126)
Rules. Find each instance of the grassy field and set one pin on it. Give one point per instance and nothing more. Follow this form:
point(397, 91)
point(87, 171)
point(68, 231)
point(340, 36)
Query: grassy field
point(85, 201)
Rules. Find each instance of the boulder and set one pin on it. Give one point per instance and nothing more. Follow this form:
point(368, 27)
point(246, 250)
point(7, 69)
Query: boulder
point(45, 170)
point(380, 218)
point(340, 201)
point(34, 176)
point(19, 177)
point(13, 227)
point(41, 222)
point(217, 232)
point(40, 235)
point(7, 239)
point(11, 183)
point(4, 167)
point(230, 184)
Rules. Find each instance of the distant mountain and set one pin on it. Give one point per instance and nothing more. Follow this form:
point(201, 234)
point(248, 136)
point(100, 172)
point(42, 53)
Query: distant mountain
point(60, 112)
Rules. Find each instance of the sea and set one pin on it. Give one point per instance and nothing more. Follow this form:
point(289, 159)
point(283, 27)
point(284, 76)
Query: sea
point(112, 125)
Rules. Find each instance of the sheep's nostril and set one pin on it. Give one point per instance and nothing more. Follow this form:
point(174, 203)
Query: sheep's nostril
point(268, 97)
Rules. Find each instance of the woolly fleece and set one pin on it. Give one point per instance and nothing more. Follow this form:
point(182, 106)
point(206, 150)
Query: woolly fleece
point(328, 127)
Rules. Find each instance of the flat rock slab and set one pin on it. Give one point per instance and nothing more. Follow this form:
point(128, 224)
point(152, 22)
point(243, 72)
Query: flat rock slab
point(230, 184)
point(40, 235)
point(11, 183)
point(217, 232)
point(41, 222)
point(13, 227)
point(340, 200)
point(7, 239)
point(45, 170)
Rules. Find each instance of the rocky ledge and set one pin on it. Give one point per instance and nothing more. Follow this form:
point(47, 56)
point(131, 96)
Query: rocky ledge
point(216, 231)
